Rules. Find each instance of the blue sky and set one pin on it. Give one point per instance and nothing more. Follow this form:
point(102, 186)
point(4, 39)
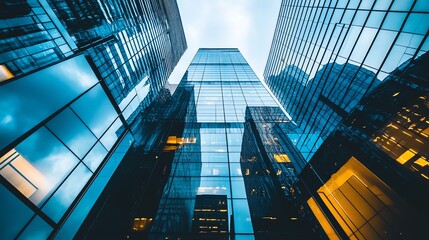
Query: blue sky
point(245, 24)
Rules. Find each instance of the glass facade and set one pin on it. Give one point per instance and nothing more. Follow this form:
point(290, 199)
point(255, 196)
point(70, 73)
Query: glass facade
point(369, 179)
point(74, 78)
point(31, 37)
point(224, 85)
point(193, 182)
point(54, 142)
point(327, 55)
point(270, 171)
point(134, 46)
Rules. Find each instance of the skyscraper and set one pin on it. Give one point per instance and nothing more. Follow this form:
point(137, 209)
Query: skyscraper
point(327, 55)
point(369, 179)
point(207, 158)
point(224, 85)
point(73, 77)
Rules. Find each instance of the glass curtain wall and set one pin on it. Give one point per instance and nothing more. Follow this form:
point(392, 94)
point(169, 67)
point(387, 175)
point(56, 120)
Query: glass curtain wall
point(327, 55)
point(224, 85)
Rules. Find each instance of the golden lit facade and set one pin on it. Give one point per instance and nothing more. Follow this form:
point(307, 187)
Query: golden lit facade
point(369, 180)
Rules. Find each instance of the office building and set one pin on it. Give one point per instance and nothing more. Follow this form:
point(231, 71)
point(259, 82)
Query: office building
point(206, 157)
point(327, 55)
point(129, 203)
point(369, 179)
point(270, 170)
point(210, 220)
point(74, 77)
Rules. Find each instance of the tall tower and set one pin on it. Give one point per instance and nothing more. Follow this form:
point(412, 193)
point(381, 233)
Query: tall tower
point(224, 85)
point(73, 77)
point(199, 162)
point(327, 55)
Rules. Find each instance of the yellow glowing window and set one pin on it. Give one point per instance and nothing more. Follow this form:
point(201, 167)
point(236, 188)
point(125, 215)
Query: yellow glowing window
point(24, 176)
point(281, 158)
point(358, 199)
point(321, 218)
point(406, 156)
point(180, 141)
point(170, 148)
point(421, 162)
point(5, 74)
point(171, 140)
point(140, 224)
point(425, 132)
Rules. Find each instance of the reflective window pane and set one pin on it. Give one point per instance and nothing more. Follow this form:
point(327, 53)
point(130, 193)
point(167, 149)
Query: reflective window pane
point(38, 229)
point(37, 165)
point(45, 92)
point(70, 129)
point(14, 214)
point(64, 196)
point(95, 109)
point(95, 156)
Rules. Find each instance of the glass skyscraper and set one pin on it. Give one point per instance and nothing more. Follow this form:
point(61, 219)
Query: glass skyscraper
point(327, 55)
point(224, 85)
point(350, 74)
point(74, 76)
point(204, 193)
point(369, 179)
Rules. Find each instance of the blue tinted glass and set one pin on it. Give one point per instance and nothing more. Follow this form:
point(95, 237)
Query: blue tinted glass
point(76, 218)
point(214, 157)
point(214, 185)
point(38, 165)
point(14, 214)
point(61, 200)
point(112, 134)
point(238, 189)
point(33, 98)
point(235, 169)
point(95, 156)
point(242, 220)
point(95, 109)
point(70, 129)
point(38, 229)
point(244, 237)
point(213, 169)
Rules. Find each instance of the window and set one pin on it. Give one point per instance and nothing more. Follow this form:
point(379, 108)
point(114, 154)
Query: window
point(5, 74)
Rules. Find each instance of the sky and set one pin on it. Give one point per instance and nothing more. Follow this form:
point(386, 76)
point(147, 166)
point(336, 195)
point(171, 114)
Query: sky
point(244, 24)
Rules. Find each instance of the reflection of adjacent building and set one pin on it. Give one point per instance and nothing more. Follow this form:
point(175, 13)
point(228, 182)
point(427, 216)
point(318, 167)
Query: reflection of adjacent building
point(129, 203)
point(328, 55)
point(210, 219)
point(319, 104)
point(72, 75)
point(369, 179)
point(173, 214)
point(207, 170)
point(270, 177)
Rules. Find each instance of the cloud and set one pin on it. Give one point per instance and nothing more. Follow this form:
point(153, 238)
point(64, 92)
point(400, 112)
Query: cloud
point(246, 24)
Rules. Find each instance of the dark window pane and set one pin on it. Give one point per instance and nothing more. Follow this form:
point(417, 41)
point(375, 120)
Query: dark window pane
point(14, 214)
point(38, 229)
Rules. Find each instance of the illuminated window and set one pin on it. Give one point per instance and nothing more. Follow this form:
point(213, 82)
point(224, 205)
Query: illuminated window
point(140, 224)
point(323, 221)
point(282, 158)
point(5, 74)
point(406, 156)
point(363, 205)
point(24, 176)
